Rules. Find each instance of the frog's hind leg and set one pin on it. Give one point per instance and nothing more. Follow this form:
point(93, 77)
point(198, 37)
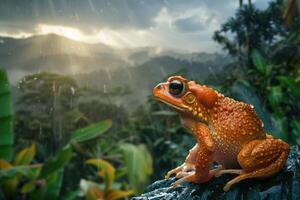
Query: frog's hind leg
point(260, 159)
point(228, 171)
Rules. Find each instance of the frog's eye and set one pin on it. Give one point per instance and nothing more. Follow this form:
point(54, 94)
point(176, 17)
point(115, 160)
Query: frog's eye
point(176, 88)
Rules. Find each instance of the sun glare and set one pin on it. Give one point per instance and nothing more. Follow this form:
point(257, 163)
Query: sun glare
point(68, 32)
point(103, 36)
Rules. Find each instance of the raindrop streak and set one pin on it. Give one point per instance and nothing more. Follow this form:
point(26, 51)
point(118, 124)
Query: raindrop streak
point(72, 94)
point(104, 89)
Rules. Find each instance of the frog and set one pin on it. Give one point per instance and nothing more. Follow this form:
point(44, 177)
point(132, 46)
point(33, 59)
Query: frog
point(228, 133)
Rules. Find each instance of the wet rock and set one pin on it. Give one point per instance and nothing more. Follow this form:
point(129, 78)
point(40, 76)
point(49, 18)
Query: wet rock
point(284, 185)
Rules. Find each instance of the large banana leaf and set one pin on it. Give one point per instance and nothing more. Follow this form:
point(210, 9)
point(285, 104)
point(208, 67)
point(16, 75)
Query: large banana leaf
point(6, 113)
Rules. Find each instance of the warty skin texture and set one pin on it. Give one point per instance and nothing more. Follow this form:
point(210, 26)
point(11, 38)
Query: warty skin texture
point(227, 131)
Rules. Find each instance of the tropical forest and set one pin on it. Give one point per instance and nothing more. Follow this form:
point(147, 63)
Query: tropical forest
point(78, 119)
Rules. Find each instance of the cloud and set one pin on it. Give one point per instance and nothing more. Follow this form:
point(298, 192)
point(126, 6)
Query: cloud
point(189, 24)
point(87, 15)
point(178, 24)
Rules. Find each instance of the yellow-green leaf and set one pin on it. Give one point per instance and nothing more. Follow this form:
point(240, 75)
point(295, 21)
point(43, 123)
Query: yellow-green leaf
point(117, 194)
point(94, 194)
point(4, 164)
point(28, 187)
point(25, 156)
point(106, 170)
point(9, 185)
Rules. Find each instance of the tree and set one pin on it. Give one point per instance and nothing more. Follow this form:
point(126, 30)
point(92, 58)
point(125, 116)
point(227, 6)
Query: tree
point(45, 109)
point(251, 28)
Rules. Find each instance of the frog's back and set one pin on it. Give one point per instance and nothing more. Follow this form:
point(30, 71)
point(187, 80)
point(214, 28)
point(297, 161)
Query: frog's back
point(233, 124)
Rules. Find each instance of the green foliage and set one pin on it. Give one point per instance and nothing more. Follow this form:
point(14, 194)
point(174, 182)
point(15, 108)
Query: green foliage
point(138, 164)
point(106, 171)
point(91, 132)
point(45, 111)
point(45, 181)
point(271, 68)
point(6, 113)
point(259, 61)
point(25, 156)
point(57, 163)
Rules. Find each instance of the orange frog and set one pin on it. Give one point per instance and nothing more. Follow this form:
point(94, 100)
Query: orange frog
point(228, 132)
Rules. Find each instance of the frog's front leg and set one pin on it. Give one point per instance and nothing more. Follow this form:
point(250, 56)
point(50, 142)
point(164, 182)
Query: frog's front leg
point(188, 165)
point(204, 158)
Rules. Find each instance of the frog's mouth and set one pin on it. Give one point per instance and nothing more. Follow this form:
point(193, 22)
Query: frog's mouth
point(181, 108)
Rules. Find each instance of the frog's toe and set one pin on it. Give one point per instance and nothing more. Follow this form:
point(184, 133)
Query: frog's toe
point(187, 177)
point(173, 171)
point(182, 174)
point(188, 167)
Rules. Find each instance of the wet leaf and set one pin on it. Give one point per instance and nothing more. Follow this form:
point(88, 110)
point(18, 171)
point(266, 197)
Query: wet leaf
point(259, 61)
point(275, 96)
point(6, 112)
point(28, 187)
point(54, 183)
point(71, 195)
point(28, 171)
point(57, 163)
point(290, 83)
point(138, 164)
point(94, 194)
point(25, 156)
point(107, 171)
point(92, 131)
point(4, 164)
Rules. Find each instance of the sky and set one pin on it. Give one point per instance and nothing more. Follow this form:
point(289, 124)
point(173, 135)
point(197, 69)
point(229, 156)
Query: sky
point(170, 24)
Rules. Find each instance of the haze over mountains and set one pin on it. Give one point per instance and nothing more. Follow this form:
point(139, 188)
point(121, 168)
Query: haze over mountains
point(100, 65)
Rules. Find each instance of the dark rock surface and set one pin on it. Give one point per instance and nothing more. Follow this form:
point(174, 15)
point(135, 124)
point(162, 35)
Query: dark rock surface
point(284, 185)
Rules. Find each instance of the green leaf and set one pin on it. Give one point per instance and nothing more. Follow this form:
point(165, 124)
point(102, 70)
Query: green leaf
point(275, 96)
point(6, 113)
point(290, 84)
point(259, 61)
point(28, 187)
point(57, 163)
point(28, 171)
point(54, 183)
point(90, 132)
point(71, 195)
point(107, 171)
point(296, 130)
point(138, 164)
point(94, 193)
point(25, 156)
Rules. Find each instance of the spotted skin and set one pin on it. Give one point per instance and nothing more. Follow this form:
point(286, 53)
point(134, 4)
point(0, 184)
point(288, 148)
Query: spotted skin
point(227, 131)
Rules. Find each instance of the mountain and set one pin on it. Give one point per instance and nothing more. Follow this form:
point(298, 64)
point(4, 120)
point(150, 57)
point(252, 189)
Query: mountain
point(142, 78)
point(56, 54)
point(101, 66)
